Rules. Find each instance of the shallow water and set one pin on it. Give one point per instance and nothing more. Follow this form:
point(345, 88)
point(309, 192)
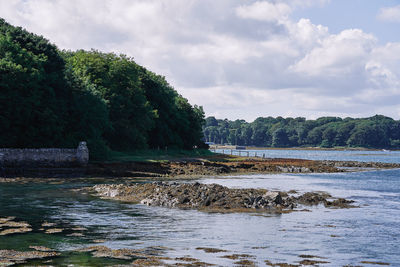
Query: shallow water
point(387, 156)
point(342, 236)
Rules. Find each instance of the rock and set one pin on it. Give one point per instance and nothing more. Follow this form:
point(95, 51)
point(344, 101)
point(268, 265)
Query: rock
point(99, 241)
point(146, 202)
point(274, 196)
point(112, 193)
point(16, 231)
point(212, 197)
point(211, 250)
point(53, 230)
point(124, 254)
point(247, 263)
point(18, 257)
point(313, 198)
point(47, 224)
point(304, 169)
point(339, 203)
point(15, 224)
point(6, 219)
point(76, 234)
point(6, 262)
point(40, 248)
point(312, 262)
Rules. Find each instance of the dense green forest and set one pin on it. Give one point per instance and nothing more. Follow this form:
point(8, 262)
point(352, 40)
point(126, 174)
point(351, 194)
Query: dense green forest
point(53, 98)
point(374, 132)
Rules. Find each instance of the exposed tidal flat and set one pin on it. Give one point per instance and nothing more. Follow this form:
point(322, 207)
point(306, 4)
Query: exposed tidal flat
point(71, 227)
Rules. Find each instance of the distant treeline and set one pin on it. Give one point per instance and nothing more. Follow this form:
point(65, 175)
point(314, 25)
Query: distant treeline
point(374, 132)
point(53, 98)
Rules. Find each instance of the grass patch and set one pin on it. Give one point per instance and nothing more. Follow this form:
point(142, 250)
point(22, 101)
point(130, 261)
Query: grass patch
point(154, 155)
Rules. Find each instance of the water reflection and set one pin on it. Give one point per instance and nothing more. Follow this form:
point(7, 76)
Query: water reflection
point(342, 236)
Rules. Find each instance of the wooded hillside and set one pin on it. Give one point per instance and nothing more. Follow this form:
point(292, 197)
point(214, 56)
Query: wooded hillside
point(53, 98)
point(374, 132)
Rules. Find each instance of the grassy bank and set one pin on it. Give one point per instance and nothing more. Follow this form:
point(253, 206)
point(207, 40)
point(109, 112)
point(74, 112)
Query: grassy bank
point(150, 155)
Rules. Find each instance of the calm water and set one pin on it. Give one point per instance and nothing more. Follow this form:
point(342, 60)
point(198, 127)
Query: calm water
point(342, 236)
point(348, 155)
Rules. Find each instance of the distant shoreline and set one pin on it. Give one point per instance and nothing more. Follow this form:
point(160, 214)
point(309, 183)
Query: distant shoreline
point(216, 165)
point(302, 148)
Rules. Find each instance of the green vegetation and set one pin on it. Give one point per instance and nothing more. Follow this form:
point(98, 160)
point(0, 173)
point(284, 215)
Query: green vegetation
point(153, 155)
point(52, 98)
point(374, 132)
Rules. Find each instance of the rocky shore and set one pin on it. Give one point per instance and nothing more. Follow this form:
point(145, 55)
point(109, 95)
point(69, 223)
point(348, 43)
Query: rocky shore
point(215, 198)
point(194, 167)
point(200, 167)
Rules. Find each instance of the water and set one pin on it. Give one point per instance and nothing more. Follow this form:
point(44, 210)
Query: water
point(340, 236)
point(388, 156)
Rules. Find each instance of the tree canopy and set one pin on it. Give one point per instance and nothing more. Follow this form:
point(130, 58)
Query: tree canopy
point(53, 98)
point(374, 132)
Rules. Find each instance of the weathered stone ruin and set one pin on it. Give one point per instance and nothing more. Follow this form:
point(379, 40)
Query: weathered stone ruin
point(44, 157)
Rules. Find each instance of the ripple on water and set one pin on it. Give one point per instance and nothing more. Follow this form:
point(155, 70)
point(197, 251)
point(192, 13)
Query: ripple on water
point(341, 236)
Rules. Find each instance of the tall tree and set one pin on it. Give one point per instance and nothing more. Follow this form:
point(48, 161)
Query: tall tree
point(115, 79)
point(33, 95)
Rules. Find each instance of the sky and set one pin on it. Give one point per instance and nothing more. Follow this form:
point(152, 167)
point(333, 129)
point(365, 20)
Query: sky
point(242, 59)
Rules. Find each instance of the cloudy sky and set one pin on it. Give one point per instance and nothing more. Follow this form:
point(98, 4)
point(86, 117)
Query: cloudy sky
point(243, 58)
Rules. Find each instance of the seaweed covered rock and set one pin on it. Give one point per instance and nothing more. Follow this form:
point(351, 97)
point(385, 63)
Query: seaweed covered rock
point(214, 197)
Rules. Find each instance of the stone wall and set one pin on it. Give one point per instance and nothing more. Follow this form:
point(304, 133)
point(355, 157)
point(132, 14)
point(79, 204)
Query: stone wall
point(44, 157)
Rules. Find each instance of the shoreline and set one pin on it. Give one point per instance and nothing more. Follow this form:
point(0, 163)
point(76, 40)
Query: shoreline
point(303, 148)
point(194, 167)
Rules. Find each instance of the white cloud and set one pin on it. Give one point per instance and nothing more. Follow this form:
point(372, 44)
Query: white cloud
point(264, 10)
point(239, 59)
point(384, 69)
point(306, 34)
point(337, 55)
point(222, 48)
point(391, 14)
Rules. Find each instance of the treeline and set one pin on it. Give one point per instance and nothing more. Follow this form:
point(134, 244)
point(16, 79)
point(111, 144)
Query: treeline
point(374, 132)
point(53, 98)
